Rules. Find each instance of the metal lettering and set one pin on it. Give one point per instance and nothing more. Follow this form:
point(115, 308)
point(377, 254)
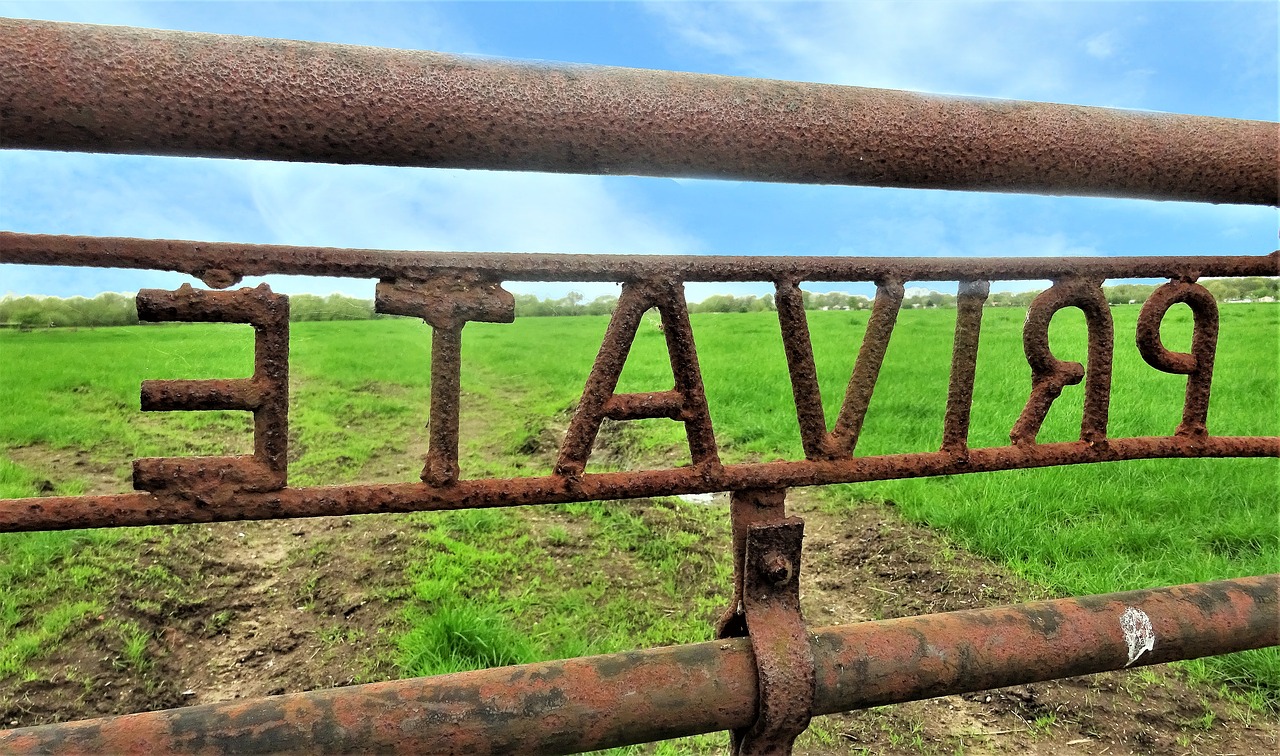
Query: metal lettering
point(215, 480)
point(1049, 375)
point(964, 361)
point(841, 441)
point(451, 297)
point(446, 303)
point(1196, 365)
point(686, 403)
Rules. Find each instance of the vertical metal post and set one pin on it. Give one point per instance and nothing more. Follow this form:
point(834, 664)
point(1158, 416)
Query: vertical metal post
point(766, 608)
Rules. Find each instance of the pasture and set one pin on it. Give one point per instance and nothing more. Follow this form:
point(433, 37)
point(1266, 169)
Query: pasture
point(359, 401)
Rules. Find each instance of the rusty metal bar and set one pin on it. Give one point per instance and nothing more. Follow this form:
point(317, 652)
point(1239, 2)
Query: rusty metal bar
point(67, 512)
point(142, 91)
point(607, 701)
point(204, 394)
point(964, 364)
point(442, 466)
point(747, 508)
point(222, 264)
point(646, 406)
point(765, 608)
point(798, 346)
point(866, 369)
point(779, 639)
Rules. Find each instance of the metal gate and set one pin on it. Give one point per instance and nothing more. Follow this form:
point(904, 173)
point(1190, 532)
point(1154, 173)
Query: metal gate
point(102, 89)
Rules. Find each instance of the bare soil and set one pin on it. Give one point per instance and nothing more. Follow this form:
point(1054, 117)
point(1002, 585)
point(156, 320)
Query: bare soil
point(867, 563)
point(245, 609)
point(239, 610)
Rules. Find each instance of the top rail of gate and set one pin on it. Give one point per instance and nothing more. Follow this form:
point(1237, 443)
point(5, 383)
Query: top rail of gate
point(114, 89)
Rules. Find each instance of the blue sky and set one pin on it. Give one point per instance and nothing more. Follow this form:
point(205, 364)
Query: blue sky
point(1216, 59)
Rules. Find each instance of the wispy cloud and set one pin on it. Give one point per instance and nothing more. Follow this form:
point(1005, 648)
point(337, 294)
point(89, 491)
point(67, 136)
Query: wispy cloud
point(957, 224)
point(322, 205)
point(1101, 46)
point(1043, 51)
point(455, 210)
point(450, 210)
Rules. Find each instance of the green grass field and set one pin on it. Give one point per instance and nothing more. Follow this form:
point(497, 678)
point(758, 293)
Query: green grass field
point(360, 397)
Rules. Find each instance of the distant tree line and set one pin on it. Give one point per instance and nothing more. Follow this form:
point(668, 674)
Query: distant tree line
point(112, 309)
point(108, 309)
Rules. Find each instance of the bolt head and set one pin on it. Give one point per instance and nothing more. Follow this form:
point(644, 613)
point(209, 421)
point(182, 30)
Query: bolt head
point(777, 569)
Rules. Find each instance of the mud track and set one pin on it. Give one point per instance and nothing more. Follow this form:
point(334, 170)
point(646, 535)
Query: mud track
point(263, 608)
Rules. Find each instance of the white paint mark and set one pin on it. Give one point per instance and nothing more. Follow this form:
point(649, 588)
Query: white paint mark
point(1138, 633)
point(704, 498)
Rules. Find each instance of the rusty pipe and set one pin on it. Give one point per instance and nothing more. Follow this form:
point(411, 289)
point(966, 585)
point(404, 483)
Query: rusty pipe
point(222, 264)
point(620, 699)
point(120, 510)
point(142, 91)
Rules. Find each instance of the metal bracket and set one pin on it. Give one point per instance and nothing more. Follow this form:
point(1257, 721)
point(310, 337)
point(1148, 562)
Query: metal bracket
point(766, 609)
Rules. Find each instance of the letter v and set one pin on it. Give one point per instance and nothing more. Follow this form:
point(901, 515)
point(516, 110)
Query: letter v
point(840, 442)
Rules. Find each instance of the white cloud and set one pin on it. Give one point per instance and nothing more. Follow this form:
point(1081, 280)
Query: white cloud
point(120, 195)
point(454, 210)
point(946, 233)
point(321, 205)
point(1101, 46)
point(991, 49)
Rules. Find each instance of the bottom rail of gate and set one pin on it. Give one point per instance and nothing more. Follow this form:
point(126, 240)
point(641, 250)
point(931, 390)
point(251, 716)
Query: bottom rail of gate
point(642, 696)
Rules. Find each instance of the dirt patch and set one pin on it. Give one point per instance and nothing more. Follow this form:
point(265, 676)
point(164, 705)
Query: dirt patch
point(617, 446)
point(229, 610)
point(866, 563)
point(63, 466)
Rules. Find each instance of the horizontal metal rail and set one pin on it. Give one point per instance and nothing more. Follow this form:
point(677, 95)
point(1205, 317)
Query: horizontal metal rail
point(448, 289)
point(235, 260)
point(116, 510)
point(113, 89)
point(608, 701)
